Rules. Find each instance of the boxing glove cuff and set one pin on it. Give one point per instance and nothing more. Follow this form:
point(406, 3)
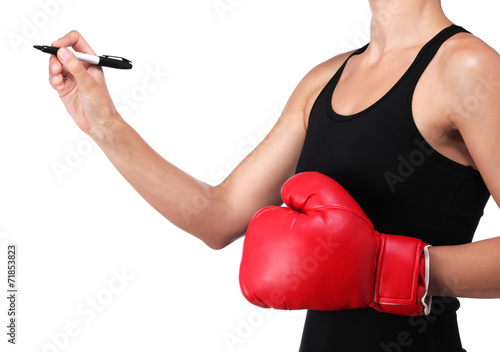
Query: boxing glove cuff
point(402, 276)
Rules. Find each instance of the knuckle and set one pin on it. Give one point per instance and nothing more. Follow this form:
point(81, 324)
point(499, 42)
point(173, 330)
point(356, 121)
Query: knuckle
point(51, 82)
point(75, 33)
point(78, 68)
point(53, 61)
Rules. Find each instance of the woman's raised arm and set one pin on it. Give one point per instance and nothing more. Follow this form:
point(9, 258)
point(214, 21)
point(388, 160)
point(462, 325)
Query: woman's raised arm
point(215, 214)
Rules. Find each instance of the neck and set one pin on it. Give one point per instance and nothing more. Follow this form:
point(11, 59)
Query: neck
point(404, 23)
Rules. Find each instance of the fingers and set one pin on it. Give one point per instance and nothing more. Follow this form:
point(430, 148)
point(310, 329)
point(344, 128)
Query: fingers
point(56, 73)
point(66, 65)
point(76, 41)
point(74, 67)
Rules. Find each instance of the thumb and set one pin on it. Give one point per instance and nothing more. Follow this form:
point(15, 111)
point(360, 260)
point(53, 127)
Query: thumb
point(308, 191)
point(75, 67)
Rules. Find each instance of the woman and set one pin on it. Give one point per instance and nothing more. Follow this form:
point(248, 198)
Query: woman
point(408, 124)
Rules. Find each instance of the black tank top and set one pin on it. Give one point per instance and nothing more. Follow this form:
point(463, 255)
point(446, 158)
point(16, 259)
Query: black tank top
point(406, 188)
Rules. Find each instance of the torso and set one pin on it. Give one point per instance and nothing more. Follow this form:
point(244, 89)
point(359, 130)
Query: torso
point(361, 85)
point(435, 199)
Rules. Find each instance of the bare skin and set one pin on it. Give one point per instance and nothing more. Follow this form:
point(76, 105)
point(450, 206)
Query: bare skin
point(218, 215)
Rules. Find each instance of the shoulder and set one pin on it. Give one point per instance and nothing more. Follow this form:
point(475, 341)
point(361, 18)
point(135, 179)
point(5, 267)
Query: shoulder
point(471, 72)
point(467, 65)
point(466, 54)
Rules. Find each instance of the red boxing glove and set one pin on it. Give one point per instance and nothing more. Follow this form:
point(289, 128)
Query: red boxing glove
point(322, 253)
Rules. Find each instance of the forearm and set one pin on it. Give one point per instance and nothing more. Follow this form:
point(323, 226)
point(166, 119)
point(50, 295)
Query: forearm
point(469, 270)
point(192, 205)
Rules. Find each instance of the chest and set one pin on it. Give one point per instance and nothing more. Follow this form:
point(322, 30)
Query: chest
point(362, 86)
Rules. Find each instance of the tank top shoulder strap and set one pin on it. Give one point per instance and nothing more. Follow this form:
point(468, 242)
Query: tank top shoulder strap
point(357, 52)
point(428, 52)
point(330, 85)
point(336, 76)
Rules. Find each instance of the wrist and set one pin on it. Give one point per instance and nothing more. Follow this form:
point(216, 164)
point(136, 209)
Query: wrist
point(402, 276)
point(106, 132)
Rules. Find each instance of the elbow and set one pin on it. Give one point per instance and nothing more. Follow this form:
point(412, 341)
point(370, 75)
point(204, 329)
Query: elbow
point(217, 244)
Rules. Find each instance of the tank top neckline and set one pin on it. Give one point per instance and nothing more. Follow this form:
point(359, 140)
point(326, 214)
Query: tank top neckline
point(335, 79)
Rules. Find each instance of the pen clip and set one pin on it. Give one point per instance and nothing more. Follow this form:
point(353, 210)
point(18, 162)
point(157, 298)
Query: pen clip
point(116, 57)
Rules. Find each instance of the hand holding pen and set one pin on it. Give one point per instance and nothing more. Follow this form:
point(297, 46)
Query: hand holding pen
point(81, 86)
point(103, 60)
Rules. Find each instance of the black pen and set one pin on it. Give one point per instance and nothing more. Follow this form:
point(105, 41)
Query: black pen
point(104, 60)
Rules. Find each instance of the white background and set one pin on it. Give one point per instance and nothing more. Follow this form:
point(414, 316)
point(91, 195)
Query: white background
point(228, 78)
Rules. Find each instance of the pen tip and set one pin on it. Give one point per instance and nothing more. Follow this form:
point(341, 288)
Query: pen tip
point(37, 47)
